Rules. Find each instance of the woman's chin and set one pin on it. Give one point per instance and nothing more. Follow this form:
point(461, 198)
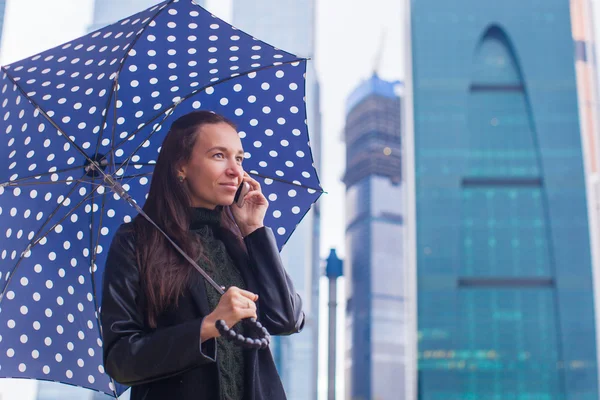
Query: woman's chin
point(226, 201)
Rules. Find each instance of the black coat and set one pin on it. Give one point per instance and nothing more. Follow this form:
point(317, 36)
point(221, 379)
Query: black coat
point(169, 362)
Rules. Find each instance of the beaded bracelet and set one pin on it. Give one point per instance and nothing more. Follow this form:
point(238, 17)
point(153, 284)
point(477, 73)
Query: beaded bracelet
point(261, 340)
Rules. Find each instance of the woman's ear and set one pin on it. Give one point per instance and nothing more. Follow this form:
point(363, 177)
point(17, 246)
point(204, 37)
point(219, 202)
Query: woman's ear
point(181, 171)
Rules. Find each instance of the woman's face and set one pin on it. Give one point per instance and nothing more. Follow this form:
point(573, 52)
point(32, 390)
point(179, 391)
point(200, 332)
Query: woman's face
point(214, 170)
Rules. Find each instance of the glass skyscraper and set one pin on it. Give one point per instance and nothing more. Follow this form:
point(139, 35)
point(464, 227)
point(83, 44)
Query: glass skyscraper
point(290, 25)
point(375, 325)
point(504, 276)
point(586, 68)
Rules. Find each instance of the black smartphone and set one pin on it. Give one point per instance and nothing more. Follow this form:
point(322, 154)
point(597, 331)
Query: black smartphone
point(243, 189)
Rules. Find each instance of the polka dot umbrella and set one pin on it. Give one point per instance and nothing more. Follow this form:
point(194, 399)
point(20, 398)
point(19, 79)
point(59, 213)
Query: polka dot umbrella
point(80, 131)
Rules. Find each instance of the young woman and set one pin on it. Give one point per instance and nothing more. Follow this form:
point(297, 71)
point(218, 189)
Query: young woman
point(158, 314)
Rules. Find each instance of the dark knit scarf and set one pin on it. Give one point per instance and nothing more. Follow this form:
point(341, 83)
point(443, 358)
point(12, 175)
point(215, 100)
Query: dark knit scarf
point(230, 358)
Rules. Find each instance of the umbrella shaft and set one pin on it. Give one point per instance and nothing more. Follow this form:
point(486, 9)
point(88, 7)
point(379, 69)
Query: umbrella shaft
point(121, 192)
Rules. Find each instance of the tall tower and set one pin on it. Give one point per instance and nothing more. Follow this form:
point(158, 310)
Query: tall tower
point(374, 242)
point(290, 25)
point(502, 244)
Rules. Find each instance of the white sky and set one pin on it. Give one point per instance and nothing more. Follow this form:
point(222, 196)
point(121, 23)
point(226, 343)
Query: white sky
point(349, 33)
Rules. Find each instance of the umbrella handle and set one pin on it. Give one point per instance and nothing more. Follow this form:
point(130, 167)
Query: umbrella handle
point(261, 341)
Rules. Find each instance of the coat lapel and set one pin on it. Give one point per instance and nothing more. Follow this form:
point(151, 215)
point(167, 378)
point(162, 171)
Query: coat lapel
point(240, 259)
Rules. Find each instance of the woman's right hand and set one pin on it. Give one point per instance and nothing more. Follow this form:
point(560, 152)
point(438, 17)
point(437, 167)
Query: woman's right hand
point(235, 305)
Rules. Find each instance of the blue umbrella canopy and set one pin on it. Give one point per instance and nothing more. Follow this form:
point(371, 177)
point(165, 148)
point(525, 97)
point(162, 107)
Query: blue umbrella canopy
point(106, 100)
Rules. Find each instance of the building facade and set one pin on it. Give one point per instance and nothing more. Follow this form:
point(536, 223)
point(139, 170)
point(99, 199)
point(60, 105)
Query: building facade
point(374, 352)
point(503, 262)
point(586, 67)
point(290, 25)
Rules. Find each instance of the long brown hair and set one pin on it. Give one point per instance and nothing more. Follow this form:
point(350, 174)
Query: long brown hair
point(163, 271)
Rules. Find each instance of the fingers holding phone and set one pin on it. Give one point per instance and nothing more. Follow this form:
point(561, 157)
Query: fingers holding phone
point(241, 193)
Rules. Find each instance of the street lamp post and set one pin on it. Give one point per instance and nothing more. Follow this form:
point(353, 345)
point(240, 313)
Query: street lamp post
point(333, 270)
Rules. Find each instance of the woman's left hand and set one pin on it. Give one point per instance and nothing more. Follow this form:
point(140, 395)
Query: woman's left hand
point(252, 214)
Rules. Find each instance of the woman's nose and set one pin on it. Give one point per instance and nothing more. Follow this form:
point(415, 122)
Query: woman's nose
point(235, 170)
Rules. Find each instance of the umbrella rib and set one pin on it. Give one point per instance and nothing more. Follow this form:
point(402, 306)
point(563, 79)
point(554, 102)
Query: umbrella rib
point(130, 177)
point(67, 181)
point(136, 164)
point(63, 218)
point(126, 161)
point(193, 93)
point(114, 127)
point(30, 244)
point(121, 66)
point(9, 183)
point(290, 235)
point(125, 196)
point(288, 182)
point(50, 120)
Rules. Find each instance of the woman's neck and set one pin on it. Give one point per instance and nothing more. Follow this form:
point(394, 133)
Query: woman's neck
point(201, 216)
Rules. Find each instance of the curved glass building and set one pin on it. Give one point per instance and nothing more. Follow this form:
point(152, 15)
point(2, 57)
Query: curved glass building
point(503, 258)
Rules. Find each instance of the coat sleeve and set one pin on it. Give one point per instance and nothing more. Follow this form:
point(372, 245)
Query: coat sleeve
point(132, 353)
point(280, 307)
